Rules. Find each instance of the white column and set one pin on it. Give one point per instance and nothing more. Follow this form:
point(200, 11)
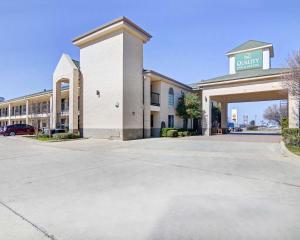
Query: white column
point(266, 58)
point(147, 108)
point(232, 65)
point(27, 111)
point(56, 103)
point(73, 102)
point(224, 115)
point(206, 119)
point(293, 104)
point(9, 114)
point(50, 112)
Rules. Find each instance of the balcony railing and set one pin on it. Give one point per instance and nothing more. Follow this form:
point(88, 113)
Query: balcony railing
point(155, 99)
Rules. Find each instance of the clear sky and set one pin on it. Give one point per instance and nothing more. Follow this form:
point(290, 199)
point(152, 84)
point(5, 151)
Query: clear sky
point(190, 38)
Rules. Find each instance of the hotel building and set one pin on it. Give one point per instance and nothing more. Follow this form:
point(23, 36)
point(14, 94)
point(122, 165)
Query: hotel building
point(109, 94)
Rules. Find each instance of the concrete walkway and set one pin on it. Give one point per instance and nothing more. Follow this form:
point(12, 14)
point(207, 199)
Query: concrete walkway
point(223, 187)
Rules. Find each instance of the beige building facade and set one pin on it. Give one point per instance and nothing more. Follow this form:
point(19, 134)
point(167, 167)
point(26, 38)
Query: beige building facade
point(108, 93)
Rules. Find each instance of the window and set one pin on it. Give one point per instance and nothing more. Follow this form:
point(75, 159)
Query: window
point(44, 107)
point(24, 110)
point(171, 97)
point(63, 104)
point(171, 121)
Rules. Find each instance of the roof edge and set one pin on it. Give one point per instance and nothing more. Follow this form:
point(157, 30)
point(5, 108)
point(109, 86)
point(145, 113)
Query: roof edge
point(109, 24)
point(167, 78)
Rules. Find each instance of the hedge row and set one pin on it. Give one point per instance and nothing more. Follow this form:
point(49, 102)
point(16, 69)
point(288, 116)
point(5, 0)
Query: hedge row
point(291, 136)
point(61, 136)
point(174, 132)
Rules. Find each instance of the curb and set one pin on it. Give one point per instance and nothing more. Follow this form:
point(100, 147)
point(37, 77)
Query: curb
point(287, 152)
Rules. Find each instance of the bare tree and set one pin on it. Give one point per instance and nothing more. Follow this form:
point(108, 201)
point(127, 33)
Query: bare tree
point(291, 79)
point(275, 113)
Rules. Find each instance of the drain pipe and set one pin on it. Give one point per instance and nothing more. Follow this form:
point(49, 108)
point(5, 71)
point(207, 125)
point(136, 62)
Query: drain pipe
point(143, 107)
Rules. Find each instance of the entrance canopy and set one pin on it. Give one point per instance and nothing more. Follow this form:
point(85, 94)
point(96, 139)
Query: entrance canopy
point(250, 79)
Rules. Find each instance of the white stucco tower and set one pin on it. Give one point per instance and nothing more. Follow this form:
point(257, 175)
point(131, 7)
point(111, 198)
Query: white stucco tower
point(111, 65)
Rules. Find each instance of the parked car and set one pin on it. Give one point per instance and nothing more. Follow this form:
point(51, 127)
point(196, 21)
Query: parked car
point(18, 129)
point(1, 130)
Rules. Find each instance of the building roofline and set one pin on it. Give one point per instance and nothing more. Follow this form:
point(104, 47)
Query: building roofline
point(237, 78)
point(262, 46)
point(167, 78)
point(41, 93)
point(113, 22)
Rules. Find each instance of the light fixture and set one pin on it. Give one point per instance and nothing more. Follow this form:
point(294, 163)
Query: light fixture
point(98, 93)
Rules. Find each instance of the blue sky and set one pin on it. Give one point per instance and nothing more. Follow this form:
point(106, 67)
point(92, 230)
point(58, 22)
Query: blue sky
point(190, 38)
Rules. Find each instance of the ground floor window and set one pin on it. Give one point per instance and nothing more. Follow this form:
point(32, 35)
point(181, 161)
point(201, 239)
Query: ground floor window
point(171, 121)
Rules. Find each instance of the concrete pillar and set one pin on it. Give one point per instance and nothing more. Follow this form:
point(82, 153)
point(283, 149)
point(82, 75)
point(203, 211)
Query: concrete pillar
point(224, 115)
point(73, 102)
point(293, 110)
point(147, 107)
point(206, 120)
point(50, 112)
point(56, 104)
point(9, 114)
point(27, 111)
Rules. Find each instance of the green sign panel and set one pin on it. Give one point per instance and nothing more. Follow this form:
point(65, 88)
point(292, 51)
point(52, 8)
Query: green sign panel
point(248, 60)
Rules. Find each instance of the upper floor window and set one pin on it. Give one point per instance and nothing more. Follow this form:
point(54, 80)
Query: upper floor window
point(171, 97)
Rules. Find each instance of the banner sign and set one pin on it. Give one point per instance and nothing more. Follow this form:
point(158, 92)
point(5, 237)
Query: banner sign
point(249, 60)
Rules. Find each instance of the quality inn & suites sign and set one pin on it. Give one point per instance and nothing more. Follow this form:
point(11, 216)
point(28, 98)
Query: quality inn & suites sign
point(249, 60)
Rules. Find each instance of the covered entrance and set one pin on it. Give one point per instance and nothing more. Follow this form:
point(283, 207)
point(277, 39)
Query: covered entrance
point(250, 79)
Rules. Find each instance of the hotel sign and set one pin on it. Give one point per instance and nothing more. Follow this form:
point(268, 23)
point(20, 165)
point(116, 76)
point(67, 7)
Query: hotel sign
point(249, 60)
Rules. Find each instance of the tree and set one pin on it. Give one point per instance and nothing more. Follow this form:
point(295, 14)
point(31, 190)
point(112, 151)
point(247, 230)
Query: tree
point(291, 79)
point(181, 109)
point(189, 106)
point(215, 115)
point(252, 123)
point(275, 113)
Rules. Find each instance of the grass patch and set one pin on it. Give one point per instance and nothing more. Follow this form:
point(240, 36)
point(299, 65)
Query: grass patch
point(59, 137)
point(293, 149)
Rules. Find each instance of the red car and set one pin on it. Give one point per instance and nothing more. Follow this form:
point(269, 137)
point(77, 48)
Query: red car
point(18, 129)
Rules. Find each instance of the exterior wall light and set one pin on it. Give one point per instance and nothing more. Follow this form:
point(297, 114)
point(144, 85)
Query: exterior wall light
point(98, 93)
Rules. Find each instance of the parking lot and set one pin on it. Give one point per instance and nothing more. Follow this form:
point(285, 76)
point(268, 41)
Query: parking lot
point(222, 187)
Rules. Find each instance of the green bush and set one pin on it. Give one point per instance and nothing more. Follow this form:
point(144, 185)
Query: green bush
point(61, 136)
point(180, 134)
point(186, 133)
point(42, 135)
point(172, 133)
point(252, 128)
point(164, 131)
point(284, 123)
point(291, 136)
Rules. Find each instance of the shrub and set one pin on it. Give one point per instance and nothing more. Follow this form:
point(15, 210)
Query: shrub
point(291, 136)
point(251, 127)
point(42, 135)
point(164, 131)
point(180, 134)
point(186, 133)
point(284, 123)
point(172, 133)
point(61, 136)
